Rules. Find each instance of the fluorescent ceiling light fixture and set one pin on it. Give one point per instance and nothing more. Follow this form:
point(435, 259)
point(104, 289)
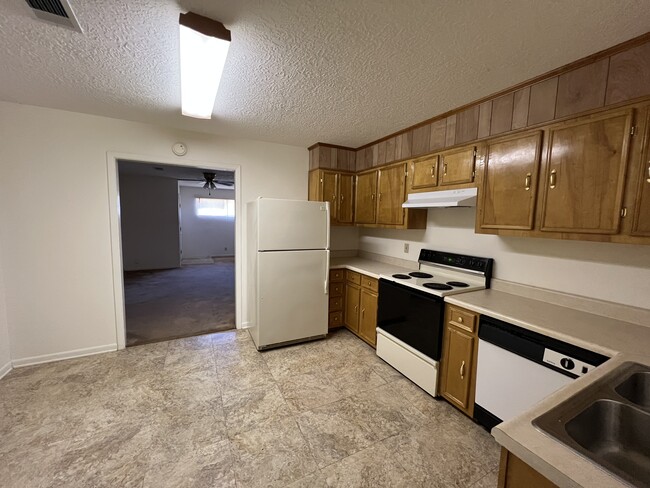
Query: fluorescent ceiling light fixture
point(204, 48)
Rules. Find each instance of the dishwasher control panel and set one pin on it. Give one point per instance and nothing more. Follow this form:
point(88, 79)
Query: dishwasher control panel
point(569, 364)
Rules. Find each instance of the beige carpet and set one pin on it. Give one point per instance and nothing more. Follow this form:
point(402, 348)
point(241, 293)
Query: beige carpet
point(181, 302)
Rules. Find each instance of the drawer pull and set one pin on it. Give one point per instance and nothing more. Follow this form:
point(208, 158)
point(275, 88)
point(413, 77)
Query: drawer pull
point(553, 179)
point(527, 182)
point(460, 320)
point(462, 370)
point(433, 172)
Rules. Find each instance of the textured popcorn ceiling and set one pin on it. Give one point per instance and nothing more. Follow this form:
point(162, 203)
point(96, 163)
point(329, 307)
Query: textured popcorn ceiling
point(301, 71)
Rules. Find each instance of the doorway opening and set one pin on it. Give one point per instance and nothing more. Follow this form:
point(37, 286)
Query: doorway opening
point(177, 228)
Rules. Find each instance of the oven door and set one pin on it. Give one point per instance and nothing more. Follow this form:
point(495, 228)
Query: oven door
point(412, 316)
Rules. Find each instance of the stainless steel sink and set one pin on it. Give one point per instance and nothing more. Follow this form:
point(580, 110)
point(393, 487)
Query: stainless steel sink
point(636, 389)
point(608, 423)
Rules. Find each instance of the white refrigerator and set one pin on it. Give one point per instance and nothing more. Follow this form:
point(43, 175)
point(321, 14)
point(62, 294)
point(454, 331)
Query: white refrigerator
point(288, 270)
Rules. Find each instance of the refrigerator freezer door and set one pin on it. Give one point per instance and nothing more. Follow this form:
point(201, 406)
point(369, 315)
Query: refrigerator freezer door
point(292, 296)
point(292, 224)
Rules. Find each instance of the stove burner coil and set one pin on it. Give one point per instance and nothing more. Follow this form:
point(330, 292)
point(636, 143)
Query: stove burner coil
point(420, 274)
point(437, 286)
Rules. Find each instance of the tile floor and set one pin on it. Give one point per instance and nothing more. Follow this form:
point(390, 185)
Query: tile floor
point(211, 411)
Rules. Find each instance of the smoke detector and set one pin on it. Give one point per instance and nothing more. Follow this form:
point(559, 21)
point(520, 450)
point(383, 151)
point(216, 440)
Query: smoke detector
point(58, 12)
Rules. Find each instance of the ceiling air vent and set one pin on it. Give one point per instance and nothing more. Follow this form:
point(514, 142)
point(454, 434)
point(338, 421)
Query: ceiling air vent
point(56, 11)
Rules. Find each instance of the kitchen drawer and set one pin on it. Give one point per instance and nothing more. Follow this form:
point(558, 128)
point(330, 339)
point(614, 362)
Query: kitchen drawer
point(369, 283)
point(336, 319)
point(336, 289)
point(336, 303)
point(461, 318)
point(353, 277)
point(337, 275)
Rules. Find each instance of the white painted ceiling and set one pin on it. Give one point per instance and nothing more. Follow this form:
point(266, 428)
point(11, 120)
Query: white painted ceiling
point(185, 174)
point(301, 71)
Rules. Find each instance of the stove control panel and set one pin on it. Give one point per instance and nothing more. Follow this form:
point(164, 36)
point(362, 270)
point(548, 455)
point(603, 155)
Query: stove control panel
point(569, 364)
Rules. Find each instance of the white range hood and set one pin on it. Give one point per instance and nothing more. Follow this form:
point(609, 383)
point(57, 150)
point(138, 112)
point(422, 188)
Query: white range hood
point(446, 198)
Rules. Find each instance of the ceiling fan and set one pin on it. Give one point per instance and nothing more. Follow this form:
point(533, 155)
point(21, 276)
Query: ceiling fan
point(211, 182)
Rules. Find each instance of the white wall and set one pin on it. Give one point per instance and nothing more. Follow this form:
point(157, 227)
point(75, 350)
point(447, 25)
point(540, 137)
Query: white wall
point(205, 237)
point(149, 218)
point(344, 238)
point(5, 356)
point(613, 272)
point(56, 248)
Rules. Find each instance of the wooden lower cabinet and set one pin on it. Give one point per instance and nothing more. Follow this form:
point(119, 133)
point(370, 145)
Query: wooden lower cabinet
point(352, 297)
point(368, 317)
point(361, 306)
point(459, 355)
point(337, 285)
point(514, 473)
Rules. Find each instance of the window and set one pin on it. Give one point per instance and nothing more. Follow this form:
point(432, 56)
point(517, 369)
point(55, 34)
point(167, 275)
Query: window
point(215, 207)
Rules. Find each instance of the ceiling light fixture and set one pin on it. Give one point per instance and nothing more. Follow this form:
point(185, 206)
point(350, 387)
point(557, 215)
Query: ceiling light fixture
point(204, 46)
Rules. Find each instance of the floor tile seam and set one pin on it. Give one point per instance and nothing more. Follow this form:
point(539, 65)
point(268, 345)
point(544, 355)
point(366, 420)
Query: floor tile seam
point(478, 480)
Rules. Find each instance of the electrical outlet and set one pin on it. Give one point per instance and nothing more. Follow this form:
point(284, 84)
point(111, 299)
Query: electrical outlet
point(406, 247)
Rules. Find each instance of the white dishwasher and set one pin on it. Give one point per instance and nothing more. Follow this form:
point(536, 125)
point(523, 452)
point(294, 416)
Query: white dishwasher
point(517, 368)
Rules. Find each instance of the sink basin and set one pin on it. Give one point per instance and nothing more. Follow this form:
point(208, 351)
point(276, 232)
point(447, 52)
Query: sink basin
point(636, 389)
point(615, 433)
point(608, 423)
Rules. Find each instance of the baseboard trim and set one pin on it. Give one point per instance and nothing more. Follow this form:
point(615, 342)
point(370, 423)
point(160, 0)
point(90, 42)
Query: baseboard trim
point(59, 356)
point(4, 370)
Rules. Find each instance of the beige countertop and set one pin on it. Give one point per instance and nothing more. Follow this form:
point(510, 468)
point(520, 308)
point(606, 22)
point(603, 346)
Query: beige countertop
point(623, 341)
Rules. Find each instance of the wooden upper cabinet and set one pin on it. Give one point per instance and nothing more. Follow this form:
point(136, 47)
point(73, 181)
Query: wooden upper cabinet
point(365, 204)
point(424, 173)
point(641, 217)
point(392, 193)
point(510, 182)
point(346, 199)
point(457, 166)
point(585, 174)
point(329, 183)
point(314, 186)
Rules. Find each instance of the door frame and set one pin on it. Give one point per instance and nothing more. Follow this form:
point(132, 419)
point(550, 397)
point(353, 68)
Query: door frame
point(116, 230)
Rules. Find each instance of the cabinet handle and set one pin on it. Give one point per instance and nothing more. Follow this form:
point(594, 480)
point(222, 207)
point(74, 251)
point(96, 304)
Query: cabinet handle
point(460, 320)
point(433, 172)
point(363, 311)
point(462, 370)
point(444, 166)
point(648, 178)
point(355, 308)
point(553, 179)
point(527, 182)
point(372, 196)
point(341, 196)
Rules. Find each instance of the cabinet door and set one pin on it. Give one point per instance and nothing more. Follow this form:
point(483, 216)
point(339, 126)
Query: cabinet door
point(510, 183)
point(365, 209)
point(392, 192)
point(459, 354)
point(641, 219)
point(352, 296)
point(346, 199)
point(314, 186)
point(585, 174)
point(329, 189)
point(458, 166)
point(368, 318)
point(424, 173)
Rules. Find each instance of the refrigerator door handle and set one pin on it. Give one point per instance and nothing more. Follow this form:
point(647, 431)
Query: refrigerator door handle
point(327, 274)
